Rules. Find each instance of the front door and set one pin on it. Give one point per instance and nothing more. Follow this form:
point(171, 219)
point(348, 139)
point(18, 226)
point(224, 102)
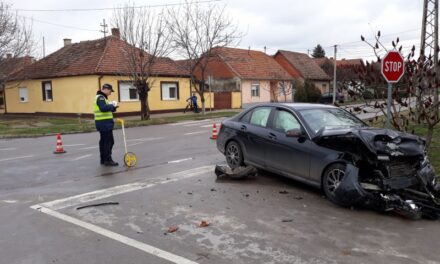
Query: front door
point(290, 155)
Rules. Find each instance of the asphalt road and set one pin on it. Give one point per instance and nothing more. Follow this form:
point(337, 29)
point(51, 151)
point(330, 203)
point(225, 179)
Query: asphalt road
point(267, 219)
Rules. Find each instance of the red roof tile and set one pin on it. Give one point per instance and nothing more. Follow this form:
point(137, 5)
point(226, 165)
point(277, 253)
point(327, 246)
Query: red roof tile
point(10, 66)
point(251, 64)
point(305, 65)
point(101, 56)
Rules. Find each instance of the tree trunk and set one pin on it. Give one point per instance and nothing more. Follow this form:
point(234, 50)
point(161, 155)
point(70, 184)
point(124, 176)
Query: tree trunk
point(145, 108)
point(429, 135)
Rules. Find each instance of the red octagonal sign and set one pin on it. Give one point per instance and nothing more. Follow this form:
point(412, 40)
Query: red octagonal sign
point(393, 66)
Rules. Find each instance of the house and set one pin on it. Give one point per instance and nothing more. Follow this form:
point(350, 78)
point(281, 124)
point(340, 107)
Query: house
point(346, 71)
point(301, 67)
point(66, 81)
point(9, 66)
point(243, 77)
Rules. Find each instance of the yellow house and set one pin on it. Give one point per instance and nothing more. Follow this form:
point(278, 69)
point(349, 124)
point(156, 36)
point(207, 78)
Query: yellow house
point(66, 81)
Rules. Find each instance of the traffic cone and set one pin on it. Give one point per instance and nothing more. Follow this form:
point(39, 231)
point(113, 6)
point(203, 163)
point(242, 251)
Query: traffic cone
point(59, 149)
point(214, 132)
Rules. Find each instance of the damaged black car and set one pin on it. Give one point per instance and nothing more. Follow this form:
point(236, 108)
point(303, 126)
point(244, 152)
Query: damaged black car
point(328, 147)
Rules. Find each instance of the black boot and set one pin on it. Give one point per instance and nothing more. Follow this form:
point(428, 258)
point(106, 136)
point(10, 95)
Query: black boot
point(111, 163)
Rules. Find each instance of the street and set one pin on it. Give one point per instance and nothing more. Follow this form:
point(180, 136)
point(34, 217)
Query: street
point(266, 219)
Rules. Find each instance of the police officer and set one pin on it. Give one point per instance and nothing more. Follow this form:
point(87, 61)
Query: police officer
point(103, 111)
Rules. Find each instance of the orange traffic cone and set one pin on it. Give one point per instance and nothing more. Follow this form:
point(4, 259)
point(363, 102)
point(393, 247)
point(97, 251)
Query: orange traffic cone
point(59, 149)
point(214, 132)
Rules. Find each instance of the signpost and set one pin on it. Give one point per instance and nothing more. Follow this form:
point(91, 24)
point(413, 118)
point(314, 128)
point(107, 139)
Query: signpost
point(392, 68)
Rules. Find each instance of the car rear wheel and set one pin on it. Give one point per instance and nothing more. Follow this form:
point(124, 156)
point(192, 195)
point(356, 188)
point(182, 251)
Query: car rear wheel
point(333, 176)
point(234, 156)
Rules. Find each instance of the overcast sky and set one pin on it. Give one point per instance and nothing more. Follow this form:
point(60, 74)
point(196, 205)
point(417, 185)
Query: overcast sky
point(297, 25)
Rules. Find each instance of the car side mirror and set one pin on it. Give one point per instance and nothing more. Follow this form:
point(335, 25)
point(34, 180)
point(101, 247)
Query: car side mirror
point(297, 132)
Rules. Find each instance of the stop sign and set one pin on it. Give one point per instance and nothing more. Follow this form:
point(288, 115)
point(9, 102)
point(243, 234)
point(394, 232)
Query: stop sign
point(393, 67)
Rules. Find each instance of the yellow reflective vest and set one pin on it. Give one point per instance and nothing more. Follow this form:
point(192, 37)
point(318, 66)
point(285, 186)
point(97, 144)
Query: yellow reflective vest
point(97, 112)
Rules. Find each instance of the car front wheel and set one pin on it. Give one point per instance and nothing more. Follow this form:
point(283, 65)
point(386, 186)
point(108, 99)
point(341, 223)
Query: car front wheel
point(234, 156)
point(333, 176)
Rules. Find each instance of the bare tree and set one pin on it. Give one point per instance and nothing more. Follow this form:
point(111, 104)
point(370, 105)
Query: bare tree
point(15, 34)
point(413, 98)
point(196, 30)
point(150, 41)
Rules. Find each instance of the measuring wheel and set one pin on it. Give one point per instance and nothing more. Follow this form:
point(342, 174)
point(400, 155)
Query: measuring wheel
point(130, 159)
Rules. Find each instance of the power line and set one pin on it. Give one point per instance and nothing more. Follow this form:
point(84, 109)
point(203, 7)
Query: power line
point(58, 25)
point(109, 8)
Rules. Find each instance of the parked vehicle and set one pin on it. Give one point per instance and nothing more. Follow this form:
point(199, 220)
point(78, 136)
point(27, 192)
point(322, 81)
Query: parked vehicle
point(332, 149)
point(327, 98)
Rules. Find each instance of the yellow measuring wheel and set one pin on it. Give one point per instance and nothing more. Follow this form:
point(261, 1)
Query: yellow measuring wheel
point(129, 157)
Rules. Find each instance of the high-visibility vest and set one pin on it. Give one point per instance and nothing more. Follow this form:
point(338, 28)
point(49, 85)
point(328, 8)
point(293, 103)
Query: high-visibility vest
point(97, 112)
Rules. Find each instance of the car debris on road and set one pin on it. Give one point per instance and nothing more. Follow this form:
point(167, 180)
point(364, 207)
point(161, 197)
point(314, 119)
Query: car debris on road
point(238, 173)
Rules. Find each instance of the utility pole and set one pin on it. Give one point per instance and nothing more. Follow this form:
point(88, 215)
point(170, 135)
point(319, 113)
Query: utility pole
point(429, 41)
point(334, 77)
point(104, 27)
point(44, 48)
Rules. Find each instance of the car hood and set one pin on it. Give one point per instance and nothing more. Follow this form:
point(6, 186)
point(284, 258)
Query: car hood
point(379, 141)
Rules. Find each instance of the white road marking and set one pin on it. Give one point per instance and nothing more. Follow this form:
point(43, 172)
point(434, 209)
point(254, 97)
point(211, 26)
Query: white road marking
point(199, 124)
point(178, 161)
point(195, 133)
point(207, 126)
point(83, 157)
point(8, 149)
point(15, 158)
point(73, 145)
point(115, 236)
point(105, 193)
point(189, 122)
point(90, 147)
point(10, 201)
point(144, 139)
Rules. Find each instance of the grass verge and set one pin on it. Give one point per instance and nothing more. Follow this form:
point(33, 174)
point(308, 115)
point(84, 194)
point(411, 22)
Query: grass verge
point(32, 126)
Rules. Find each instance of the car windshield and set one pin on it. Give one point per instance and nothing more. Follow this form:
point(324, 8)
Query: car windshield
point(317, 119)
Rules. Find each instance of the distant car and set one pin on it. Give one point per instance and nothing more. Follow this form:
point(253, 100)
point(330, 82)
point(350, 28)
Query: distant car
point(327, 98)
point(330, 148)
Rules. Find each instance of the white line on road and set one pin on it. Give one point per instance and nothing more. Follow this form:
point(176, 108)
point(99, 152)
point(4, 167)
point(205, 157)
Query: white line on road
point(105, 193)
point(115, 236)
point(207, 126)
point(15, 158)
point(144, 139)
point(195, 133)
point(189, 122)
point(73, 145)
point(211, 121)
point(178, 161)
point(83, 157)
point(89, 148)
point(8, 149)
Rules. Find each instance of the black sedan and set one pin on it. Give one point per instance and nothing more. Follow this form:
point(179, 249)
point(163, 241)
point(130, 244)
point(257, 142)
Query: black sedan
point(330, 148)
point(327, 98)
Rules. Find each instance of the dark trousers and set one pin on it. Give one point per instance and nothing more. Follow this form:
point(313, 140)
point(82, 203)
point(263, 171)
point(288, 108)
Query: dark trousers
point(196, 109)
point(106, 143)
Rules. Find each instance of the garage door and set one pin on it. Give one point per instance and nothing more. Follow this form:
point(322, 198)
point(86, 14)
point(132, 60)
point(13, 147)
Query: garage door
point(223, 100)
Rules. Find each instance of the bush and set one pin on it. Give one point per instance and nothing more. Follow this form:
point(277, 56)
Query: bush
point(307, 93)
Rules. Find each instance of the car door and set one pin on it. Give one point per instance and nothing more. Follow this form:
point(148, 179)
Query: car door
point(253, 135)
point(290, 155)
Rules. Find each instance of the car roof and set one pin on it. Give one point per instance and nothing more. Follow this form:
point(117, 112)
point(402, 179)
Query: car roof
point(300, 106)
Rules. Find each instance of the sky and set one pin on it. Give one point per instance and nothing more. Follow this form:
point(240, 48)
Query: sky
point(296, 25)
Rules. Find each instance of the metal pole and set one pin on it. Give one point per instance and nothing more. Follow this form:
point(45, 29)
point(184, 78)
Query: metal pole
point(390, 88)
point(44, 48)
point(210, 94)
point(334, 78)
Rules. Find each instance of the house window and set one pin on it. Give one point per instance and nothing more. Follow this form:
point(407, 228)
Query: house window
point(127, 92)
point(47, 91)
point(23, 94)
point(255, 90)
point(169, 91)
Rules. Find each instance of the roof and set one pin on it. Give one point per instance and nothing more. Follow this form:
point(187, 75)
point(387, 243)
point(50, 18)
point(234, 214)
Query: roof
point(251, 64)
point(298, 106)
point(105, 56)
point(350, 62)
point(305, 65)
point(10, 66)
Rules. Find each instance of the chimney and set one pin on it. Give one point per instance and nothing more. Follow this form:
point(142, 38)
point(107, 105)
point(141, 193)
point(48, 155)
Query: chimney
point(9, 56)
point(67, 42)
point(116, 33)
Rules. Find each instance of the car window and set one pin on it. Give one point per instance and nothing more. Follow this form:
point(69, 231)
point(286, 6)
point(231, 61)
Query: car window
point(260, 116)
point(246, 118)
point(285, 121)
point(328, 118)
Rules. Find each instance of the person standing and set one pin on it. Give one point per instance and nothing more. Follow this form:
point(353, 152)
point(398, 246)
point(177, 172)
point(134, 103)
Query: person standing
point(193, 99)
point(103, 112)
